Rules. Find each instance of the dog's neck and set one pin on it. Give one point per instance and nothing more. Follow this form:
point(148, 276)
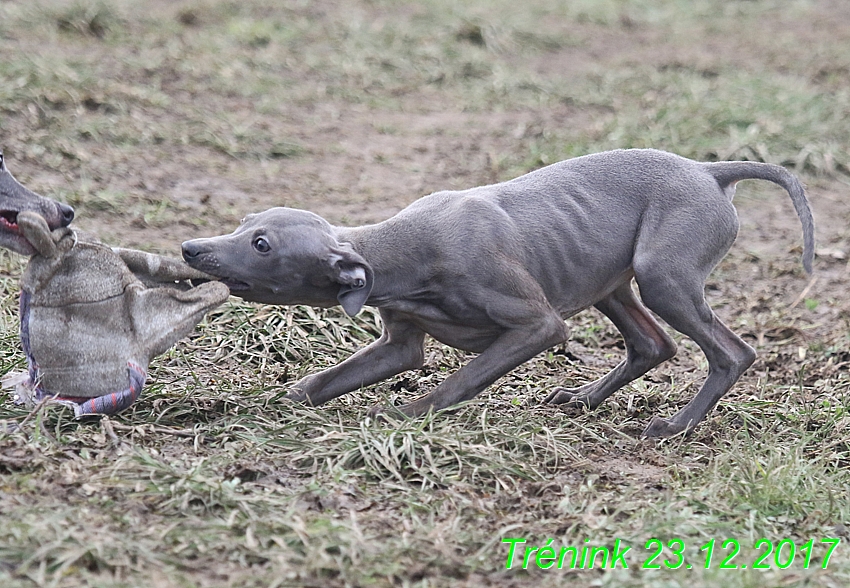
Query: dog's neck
point(385, 246)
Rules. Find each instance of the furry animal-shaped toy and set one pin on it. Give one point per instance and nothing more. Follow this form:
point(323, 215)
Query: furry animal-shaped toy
point(92, 317)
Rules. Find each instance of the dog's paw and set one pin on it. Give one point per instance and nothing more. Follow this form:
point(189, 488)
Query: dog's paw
point(564, 396)
point(385, 414)
point(569, 400)
point(662, 428)
point(295, 395)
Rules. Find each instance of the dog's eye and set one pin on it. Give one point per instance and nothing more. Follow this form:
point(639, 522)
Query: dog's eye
point(261, 245)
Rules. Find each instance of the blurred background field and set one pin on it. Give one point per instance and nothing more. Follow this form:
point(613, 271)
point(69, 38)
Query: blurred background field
point(166, 120)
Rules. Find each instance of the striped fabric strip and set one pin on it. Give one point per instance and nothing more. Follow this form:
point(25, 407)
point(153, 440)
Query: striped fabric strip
point(109, 403)
point(25, 314)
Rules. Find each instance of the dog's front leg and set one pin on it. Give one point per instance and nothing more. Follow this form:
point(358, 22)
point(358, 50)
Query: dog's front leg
point(400, 348)
point(512, 348)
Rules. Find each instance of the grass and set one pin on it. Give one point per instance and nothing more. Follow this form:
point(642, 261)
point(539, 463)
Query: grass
point(175, 119)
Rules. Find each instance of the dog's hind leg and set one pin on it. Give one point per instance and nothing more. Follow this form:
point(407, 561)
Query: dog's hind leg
point(728, 355)
point(670, 269)
point(647, 345)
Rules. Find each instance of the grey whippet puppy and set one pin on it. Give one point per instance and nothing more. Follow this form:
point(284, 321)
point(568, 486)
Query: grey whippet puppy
point(14, 199)
point(496, 269)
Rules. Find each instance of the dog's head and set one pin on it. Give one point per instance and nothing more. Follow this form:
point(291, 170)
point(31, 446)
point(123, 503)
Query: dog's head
point(285, 256)
point(14, 199)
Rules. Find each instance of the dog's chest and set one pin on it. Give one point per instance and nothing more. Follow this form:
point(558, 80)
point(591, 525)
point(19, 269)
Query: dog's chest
point(472, 331)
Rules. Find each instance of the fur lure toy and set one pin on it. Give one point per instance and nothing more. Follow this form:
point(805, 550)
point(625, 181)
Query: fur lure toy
point(92, 317)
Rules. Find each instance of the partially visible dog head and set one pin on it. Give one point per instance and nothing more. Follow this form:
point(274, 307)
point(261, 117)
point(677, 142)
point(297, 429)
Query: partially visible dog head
point(285, 256)
point(14, 199)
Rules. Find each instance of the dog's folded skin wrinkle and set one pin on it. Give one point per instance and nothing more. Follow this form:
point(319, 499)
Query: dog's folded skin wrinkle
point(496, 269)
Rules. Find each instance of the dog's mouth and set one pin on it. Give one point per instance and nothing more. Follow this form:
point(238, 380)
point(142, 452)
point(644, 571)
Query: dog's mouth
point(9, 220)
point(235, 285)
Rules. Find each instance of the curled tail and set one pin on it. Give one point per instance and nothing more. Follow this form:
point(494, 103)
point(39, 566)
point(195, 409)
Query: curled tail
point(729, 172)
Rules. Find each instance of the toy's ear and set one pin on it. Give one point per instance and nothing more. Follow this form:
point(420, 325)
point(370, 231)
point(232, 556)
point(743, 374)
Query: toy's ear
point(157, 270)
point(162, 316)
point(354, 276)
point(33, 226)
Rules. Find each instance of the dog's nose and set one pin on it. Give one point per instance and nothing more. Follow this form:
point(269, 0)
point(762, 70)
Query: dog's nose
point(67, 214)
point(191, 250)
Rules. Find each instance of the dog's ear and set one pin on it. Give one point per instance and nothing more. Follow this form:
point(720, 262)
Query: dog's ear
point(354, 276)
